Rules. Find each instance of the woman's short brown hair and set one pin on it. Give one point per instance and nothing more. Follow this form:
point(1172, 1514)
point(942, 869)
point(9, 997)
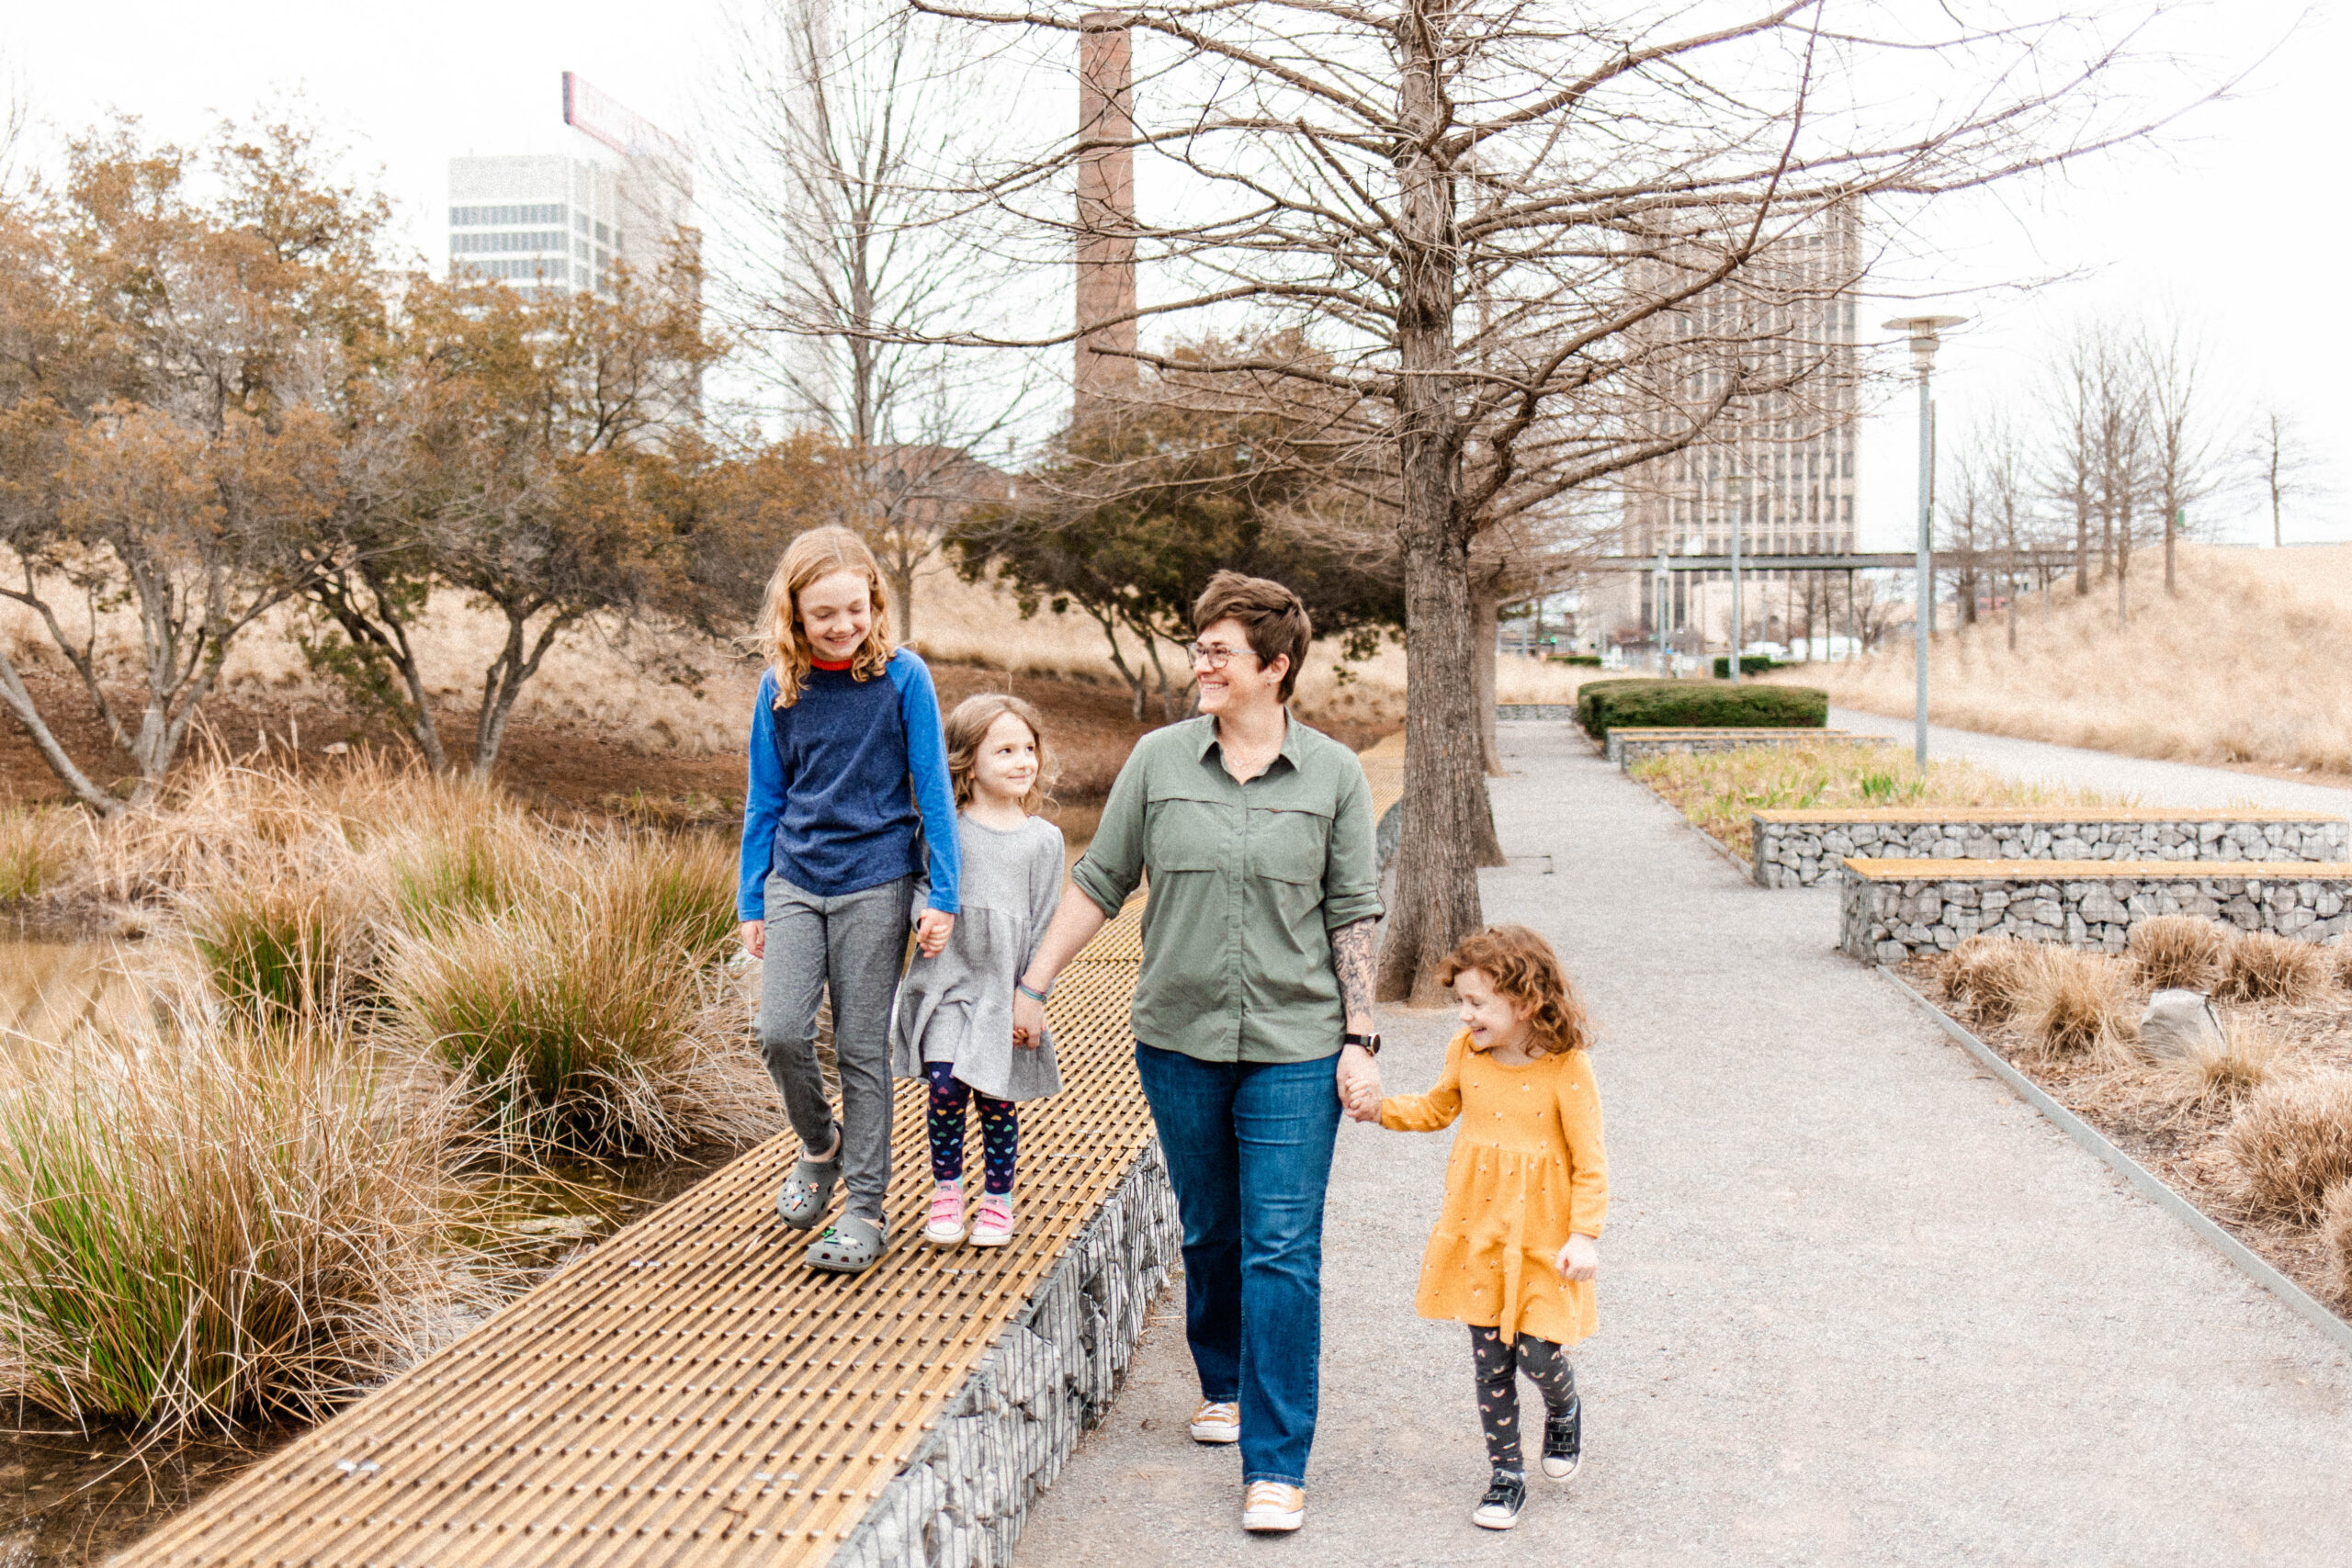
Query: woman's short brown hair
point(1271, 616)
point(1525, 970)
point(968, 726)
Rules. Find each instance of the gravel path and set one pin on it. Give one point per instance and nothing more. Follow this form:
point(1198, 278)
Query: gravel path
point(2154, 783)
point(1858, 1306)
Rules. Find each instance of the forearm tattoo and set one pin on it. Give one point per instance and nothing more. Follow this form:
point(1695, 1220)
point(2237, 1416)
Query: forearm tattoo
point(1351, 960)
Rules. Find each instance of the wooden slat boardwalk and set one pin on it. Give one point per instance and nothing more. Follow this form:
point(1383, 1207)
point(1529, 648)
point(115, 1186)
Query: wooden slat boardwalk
point(689, 1392)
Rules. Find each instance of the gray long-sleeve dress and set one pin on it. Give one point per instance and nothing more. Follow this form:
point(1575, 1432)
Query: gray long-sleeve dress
point(958, 1007)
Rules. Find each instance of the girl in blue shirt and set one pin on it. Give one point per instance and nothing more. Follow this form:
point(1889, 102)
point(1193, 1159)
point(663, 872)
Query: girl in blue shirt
point(848, 816)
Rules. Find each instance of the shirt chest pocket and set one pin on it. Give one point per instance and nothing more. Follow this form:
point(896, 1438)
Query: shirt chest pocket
point(1289, 845)
point(1188, 835)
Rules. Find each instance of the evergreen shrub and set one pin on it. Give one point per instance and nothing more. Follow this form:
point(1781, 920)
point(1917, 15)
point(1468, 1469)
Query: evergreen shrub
point(1604, 706)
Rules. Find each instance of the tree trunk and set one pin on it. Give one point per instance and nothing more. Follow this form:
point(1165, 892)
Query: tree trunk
point(2171, 514)
point(1446, 812)
point(20, 702)
point(902, 587)
point(1483, 614)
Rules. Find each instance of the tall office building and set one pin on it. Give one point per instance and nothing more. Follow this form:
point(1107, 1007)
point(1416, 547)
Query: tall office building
point(1782, 461)
point(563, 220)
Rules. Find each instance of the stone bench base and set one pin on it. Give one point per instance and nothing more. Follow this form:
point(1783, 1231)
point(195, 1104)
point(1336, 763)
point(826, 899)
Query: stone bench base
point(1894, 909)
point(1628, 746)
point(1798, 848)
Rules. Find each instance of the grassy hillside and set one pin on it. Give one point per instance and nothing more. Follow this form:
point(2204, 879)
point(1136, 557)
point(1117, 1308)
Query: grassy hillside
point(2246, 665)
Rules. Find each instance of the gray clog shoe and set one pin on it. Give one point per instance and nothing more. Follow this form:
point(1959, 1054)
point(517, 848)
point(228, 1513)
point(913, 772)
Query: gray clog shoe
point(800, 1201)
point(850, 1245)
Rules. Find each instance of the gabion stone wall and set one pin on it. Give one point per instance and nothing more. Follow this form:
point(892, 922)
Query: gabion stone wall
point(1888, 917)
point(1799, 849)
point(962, 1500)
point(1627, 747)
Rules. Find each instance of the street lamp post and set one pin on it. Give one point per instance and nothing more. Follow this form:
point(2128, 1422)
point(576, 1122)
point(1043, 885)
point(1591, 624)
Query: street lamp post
point(1922, 330)
point(1735, 491)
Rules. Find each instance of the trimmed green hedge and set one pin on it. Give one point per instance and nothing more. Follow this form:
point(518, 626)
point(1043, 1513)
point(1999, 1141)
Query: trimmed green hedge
point(1581, 661)
point(1749, 664)
point(1603, 705)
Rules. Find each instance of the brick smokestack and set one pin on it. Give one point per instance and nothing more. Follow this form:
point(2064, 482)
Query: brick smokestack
point(1106, 377)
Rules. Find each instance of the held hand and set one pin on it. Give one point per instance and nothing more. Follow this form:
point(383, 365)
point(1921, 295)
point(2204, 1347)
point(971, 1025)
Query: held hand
point(1028, 1022)
point(930, 932)
point(1359, 1083)
point(755, 938)
point(1579, 1259)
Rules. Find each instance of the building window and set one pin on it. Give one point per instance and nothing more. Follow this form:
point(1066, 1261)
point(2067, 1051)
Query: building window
point(580, 250)
point(580, 223)
point(480, 217)
point(603, 234)
point(521, 268)
point(543, 241)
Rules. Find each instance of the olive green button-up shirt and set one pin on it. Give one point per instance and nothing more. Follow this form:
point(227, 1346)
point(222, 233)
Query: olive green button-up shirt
point(1248, 882)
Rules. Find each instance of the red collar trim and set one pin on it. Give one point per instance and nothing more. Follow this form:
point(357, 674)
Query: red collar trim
point(821, 664)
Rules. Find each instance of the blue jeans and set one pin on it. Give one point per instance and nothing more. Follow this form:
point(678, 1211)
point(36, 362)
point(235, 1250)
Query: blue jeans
point(1249, 1150)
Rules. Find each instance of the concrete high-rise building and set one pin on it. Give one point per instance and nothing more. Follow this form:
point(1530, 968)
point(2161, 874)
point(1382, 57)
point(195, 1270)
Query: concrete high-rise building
point(561, 220)
point(1782, 461)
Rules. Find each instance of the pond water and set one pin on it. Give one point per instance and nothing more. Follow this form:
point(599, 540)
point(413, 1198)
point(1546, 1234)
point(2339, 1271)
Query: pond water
point(74, 1496)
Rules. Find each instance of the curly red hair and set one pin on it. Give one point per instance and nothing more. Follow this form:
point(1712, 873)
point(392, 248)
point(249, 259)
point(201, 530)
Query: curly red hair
point(1523, 969)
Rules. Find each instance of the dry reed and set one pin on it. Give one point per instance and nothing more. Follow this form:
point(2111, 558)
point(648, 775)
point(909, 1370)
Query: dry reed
point(2259, 966)
point(204, 1222)
point(1720, 792)
point(2291, 1142)
point(2224, 1072)
point(2179, 951)
point(37, 846)
point(2077, 1004)
point(2336, 1237)
point(1990, 975)
point(2155, 688)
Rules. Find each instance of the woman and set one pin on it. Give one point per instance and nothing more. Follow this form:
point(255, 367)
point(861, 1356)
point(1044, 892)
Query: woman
point(1253, 1015)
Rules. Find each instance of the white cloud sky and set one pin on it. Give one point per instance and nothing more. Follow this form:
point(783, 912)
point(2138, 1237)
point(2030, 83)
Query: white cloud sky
point(2229, 224)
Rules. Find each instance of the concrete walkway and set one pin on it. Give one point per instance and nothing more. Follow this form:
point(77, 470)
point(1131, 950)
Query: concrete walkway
point(1858, 1306)
point(2153, 782)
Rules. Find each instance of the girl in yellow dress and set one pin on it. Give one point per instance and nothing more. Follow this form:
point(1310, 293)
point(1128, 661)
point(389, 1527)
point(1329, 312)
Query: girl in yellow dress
point(1513, 1254)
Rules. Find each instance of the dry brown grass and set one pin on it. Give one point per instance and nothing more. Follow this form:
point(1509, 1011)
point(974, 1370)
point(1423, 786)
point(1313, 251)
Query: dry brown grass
point(2247, 1058)
point(2336, 1237)
point(2180, 952)
point(2258, 967)
point(2077, 1004)
point(1990, 975)
point(2291, 1142)
point(2155, 688)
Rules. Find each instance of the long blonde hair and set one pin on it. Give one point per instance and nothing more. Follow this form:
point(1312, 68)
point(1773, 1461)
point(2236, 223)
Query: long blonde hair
point(819, 552)
point(968, 726)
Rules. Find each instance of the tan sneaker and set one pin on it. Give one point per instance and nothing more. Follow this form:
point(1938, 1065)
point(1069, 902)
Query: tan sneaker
point(1216, 1421)
point(1270, 1505)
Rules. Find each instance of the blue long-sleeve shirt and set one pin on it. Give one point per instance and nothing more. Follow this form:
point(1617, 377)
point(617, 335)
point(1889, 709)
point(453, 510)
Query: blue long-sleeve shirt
point(841, 781)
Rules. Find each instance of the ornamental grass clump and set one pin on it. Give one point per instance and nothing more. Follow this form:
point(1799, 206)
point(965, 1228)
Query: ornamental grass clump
point(2291, 1142)
point(2335, 1236)
point(37, 846)
point(2224, 1072)
point(2077, 1004)
point(2180, 952)
point(1989, 976)
point(2258, 967)
point(586, 1017)
point(206, 1221)
point(292, 939)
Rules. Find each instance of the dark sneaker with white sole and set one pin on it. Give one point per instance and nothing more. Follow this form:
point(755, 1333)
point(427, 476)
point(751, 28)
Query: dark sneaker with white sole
point(1498, 1509)
point(1564, 1442)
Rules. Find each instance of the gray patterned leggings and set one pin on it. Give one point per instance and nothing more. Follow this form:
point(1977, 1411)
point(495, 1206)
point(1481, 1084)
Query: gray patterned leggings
point(1498, 1366)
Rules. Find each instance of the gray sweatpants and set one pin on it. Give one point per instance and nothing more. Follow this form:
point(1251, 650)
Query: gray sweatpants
point(855, 946)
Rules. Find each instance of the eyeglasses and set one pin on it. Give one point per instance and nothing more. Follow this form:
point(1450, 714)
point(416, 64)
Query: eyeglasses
point(1213, 656)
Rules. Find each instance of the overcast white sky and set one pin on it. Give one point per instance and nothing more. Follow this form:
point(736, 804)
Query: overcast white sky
point(2231, 224)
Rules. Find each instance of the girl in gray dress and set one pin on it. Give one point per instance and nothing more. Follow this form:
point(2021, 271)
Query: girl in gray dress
point(955, 1018)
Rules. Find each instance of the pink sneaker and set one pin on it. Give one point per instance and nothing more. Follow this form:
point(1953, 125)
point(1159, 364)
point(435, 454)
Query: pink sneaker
point(946, 1226)
point(992, 1225)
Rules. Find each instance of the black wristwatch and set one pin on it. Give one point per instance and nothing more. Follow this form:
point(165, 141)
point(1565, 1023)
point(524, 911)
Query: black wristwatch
point(1371, 1043)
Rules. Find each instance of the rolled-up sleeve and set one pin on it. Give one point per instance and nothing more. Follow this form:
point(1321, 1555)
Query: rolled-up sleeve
point(1351, 869)
point(1112, 868)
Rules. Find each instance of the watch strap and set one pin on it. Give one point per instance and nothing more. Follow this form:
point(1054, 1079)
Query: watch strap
point(1371, 1043)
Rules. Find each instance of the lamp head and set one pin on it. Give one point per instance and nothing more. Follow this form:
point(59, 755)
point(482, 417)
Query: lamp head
point(1922, 330)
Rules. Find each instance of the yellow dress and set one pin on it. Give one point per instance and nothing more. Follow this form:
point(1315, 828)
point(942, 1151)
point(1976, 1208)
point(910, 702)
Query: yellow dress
point(1527, 1168)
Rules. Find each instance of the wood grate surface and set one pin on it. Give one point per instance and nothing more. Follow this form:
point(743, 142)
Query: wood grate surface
point(691, 1391)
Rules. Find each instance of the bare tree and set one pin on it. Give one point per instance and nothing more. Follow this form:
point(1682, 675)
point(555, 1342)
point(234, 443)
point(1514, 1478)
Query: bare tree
point(1587, 173)
point(2184, 445)
point(2282, 463)
point(857, 246)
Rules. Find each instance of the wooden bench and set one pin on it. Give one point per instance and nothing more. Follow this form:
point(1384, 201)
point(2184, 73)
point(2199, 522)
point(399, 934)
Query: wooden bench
point(1798, 848)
